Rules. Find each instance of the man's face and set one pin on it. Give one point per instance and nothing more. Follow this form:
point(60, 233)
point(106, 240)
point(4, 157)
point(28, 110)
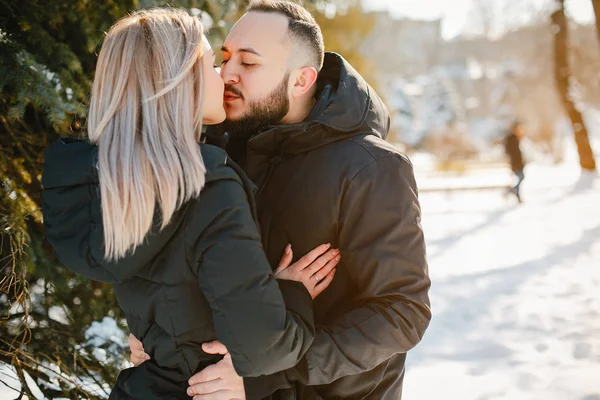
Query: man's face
point(255, 71)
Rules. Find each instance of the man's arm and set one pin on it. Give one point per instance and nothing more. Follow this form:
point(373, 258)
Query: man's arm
point(383, 246)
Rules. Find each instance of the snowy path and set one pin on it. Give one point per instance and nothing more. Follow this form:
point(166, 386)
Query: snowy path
point(515, 294)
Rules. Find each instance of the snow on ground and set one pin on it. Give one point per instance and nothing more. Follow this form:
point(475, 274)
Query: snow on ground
point(9, 382)
point(515, 293)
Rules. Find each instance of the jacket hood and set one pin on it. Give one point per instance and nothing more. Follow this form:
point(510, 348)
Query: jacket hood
point(346, 102)
point(73, 219)
point(346, 106)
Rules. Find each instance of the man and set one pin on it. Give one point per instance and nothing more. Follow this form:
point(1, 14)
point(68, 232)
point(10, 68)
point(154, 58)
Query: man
point(513, 150)
point(309, 132)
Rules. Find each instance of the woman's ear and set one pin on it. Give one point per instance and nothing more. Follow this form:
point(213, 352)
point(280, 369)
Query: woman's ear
point(304, 81)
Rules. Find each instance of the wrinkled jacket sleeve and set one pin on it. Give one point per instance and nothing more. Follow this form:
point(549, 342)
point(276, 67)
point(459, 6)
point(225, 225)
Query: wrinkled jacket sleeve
point(383, 247)
point(248, 307)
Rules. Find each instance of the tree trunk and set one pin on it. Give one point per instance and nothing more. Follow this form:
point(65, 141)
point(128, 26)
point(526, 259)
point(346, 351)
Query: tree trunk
point(596, 5)
point(562, 75)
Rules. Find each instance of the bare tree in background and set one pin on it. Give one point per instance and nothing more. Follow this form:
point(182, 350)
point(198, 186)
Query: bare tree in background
point(596, 5)
point(562, 75)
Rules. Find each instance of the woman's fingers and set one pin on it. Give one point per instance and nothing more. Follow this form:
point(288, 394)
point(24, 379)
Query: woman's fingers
point(138, 356)
point(311, 256)
point(322, 272)
point(286, 259)
point(137, 359)
point(136, 347)
point(314, 270)
point(134, 343)
point(322, 261)
point(323, 284)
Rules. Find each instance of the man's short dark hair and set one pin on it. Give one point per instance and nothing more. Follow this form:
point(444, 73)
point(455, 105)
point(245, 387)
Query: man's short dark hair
point(301, 26)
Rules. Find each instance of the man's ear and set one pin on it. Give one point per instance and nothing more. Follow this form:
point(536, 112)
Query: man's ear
point(304, 81)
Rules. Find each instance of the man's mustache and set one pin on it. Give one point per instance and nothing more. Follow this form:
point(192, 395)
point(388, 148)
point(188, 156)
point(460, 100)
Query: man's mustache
point(234, 91)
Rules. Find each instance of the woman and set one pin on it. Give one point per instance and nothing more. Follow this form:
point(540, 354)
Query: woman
point(168, 221)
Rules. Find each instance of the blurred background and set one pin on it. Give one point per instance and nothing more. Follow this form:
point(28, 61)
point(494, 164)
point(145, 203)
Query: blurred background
point(516, 280)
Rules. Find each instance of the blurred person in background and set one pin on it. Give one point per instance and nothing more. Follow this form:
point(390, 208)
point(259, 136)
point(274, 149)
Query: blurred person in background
point(512, 147)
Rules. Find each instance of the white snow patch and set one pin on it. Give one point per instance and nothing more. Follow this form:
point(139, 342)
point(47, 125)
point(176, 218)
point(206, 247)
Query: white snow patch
point(99, 354)
point(105, 332)
point(58, 314)
point(515, 289)
point(9, 382)
point(35, 390)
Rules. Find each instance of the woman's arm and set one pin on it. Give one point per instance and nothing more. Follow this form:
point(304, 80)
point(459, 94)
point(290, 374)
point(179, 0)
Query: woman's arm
point(263, 331)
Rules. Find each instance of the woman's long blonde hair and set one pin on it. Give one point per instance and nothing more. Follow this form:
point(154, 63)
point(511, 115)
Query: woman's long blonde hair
point(145, 118)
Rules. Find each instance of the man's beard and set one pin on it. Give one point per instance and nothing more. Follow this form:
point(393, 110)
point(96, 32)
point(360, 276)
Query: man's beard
point(261, 113)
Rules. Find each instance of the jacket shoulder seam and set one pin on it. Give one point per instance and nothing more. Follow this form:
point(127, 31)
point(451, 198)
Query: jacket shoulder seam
point(376, 160)
point(353, 140)
point(375, 156)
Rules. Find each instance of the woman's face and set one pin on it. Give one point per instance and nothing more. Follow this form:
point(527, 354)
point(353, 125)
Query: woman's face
point(212, 103)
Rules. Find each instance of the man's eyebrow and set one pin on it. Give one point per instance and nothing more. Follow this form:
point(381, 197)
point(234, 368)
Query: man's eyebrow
point(244, 50)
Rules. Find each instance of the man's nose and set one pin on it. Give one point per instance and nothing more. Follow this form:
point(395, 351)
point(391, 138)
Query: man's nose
point(229, 75)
